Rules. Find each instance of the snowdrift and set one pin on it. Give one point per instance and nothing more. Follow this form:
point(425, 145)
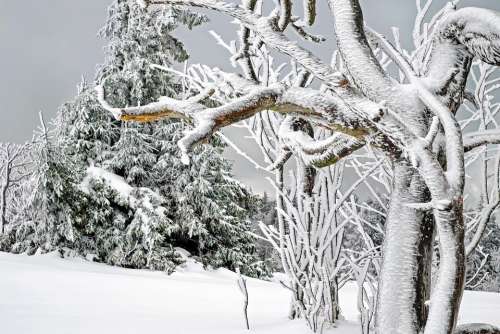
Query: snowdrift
point(49, 295)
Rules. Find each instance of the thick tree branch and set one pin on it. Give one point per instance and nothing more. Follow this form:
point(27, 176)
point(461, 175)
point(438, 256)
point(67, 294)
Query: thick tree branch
point(267, 30)
point(361, 63)
point(244, 52)
point(270, 34)
point(318, 153)
point(477, 329)
point(460, 36)
point(285, 14)
point(478, 139)
point(319, 107)
point(454, 146)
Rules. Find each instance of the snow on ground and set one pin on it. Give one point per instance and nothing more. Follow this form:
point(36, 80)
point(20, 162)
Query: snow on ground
point(47, 294)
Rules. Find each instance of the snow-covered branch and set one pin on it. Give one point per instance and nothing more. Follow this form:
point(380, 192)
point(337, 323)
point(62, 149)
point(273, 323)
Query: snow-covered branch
point(321, 107)
point(478, 139)
point(267, 29)
point(319, 153)
point(358, 57)
point(460, 36)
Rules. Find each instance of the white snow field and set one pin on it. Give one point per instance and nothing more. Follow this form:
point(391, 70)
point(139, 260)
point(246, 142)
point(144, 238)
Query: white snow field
point(49, 295)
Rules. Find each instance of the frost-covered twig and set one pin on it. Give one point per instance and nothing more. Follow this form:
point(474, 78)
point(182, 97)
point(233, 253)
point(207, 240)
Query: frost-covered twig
point(263, 27)
point(242, 285)
point(314, 152)
point(475, 140)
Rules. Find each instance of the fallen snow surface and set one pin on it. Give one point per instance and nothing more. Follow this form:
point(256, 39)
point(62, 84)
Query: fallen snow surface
point(47, 294)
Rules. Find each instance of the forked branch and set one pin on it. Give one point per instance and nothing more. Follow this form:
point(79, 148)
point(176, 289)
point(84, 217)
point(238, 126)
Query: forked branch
point(319, 107)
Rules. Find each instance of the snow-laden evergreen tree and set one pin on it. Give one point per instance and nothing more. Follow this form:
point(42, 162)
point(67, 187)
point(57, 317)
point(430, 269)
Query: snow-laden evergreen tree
point(134, 229)
point(56, 202)
point(210, 208)
point(117, 192)
point(262, 210)
point(203, 200)
point(88, 132)
point(133, 154)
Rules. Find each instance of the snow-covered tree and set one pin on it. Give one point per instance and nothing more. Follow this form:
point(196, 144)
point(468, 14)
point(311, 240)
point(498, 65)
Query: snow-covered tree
point(15, 169)
point(412, 117)
point(17, 193)
point(85, 129)
point(117, 192)
point(58, 220)
point(202, 201)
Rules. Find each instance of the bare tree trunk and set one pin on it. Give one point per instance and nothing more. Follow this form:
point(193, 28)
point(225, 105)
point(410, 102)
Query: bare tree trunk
point(450, 285)
point(3, 198)
point(405, 278)
point(308, 175)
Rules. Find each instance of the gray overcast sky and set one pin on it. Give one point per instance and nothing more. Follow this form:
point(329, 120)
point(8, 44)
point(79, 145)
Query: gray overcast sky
point(47, 45)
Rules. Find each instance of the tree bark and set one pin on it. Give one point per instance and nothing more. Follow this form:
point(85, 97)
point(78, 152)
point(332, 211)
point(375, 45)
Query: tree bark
point(407, 252)
point(3, 197)
point(448, 290)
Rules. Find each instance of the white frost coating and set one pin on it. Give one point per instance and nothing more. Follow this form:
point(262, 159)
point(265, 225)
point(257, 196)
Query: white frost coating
point(454, 145)
point(137, 198)
point(275, 39)
point(313, 151)
point(243, 154)
point(433, 131)
point(357, 55)
point(171, 108)
point(296, 259)
point(460, 36)
point(478, 139)
point(322, 107)
point(114, 181)
point(447, 58)
point(492, 203)
point(476, 28)
point(143, 3)
point(477, 329)
point(456, 170)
